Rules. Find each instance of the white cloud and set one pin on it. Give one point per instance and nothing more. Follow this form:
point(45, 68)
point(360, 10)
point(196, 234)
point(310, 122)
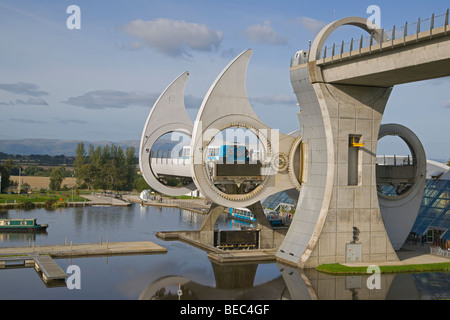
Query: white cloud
point(278, 99)
point(30, 102)
point(29, 89)
point(264, 33)
point(174, 37)
point(101, 99)
point(29, 121)
point(310, 24)
point(230, 53)
point(33, 101)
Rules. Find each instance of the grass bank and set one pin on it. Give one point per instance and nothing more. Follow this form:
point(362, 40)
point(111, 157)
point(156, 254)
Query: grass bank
point(41, 199)
point(339, 269)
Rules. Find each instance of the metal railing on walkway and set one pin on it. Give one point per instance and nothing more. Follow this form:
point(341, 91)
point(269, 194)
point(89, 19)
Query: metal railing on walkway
point(415, 28)
point(395, 33)
point(440, 252)
point(189, 204)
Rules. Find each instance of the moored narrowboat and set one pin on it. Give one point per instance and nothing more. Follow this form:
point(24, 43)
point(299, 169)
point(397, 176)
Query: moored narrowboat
point(21, 225)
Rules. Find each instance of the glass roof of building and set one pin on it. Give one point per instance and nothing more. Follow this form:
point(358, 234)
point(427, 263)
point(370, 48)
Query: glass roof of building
point(434, 212)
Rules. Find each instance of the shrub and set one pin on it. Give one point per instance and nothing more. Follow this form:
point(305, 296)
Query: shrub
point(49, 204)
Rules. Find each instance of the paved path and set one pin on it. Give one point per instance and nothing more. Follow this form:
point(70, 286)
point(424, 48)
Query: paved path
point(408, 254)
point(105, 201)
point(195, 205)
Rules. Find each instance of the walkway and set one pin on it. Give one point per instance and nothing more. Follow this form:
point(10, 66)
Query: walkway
point(86, 249)
point(408, 254)
point(195, 205)
point(100, 200)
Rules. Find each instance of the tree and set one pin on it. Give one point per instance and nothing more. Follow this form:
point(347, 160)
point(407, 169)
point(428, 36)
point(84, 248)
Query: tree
point(79, 162)
point(141, 184)
point(80, 156)
point(130, 167)
point(108, 167)
point(86, 174)
point(448, 163)
point(56, 178)
point(5, 170)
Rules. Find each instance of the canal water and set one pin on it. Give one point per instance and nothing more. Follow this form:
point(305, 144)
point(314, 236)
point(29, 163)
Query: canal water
point(183, 267)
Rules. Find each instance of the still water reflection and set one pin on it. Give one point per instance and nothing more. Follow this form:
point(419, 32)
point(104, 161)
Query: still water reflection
point(159, 276)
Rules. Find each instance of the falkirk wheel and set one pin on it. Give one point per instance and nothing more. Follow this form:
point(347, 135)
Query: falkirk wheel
point(328, 167)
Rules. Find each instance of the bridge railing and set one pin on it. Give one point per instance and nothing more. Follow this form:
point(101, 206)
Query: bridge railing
point(167, 157)
point(394, 160)
point(438, 251)
point(397, 32)
point(400, 32)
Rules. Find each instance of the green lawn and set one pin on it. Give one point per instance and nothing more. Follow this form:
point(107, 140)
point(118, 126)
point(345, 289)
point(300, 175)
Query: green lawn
point(39, 197)
point(337, 268)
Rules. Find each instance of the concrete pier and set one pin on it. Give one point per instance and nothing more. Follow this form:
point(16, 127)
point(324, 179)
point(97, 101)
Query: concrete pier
point(194, 237)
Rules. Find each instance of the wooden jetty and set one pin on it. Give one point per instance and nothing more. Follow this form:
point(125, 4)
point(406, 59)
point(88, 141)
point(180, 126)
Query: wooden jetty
point(49, 268)
point(42, 256)
point(42, 263)
point(85, 249)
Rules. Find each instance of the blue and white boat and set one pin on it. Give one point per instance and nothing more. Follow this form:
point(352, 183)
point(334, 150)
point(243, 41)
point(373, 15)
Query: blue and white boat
point(245, 214)
point(242, 214)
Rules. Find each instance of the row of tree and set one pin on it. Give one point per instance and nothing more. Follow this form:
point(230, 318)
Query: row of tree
point(5, 172)
point(109, 167)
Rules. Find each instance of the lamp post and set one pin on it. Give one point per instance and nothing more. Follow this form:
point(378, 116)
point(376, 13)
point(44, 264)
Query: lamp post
point(73, 174)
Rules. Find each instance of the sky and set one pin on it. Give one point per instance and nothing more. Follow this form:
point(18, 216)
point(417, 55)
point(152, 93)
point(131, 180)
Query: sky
point(98, 82)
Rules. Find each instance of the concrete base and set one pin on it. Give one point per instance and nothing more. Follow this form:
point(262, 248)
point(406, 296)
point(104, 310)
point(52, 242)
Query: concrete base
point(197, 238)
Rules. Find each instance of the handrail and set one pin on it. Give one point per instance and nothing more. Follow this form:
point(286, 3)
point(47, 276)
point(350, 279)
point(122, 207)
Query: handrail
point(430, 24)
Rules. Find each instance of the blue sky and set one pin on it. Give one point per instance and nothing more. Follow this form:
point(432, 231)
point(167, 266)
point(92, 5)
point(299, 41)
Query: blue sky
point(99, 82)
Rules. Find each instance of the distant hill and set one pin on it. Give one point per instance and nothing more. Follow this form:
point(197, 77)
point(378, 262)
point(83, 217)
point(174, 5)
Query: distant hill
point(55, 147)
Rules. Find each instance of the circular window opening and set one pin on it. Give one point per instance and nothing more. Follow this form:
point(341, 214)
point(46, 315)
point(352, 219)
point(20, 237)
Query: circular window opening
point(171, 150)
point(395, 167)
point(233, 160)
